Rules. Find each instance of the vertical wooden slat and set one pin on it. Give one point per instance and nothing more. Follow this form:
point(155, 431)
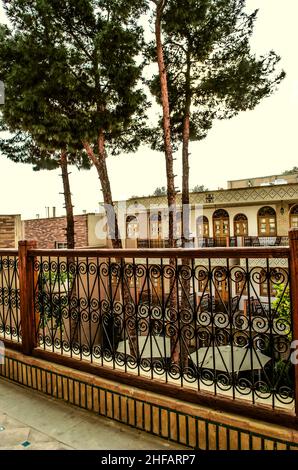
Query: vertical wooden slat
point(26, 276)
point(293, 265)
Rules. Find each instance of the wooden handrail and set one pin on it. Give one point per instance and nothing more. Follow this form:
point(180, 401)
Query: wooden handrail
point(232, 252)
point(8, 252)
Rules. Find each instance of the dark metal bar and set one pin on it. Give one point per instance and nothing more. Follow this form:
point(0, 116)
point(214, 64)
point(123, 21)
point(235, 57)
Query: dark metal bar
point(50, 305)
point(60, 308)
point(27, 297)
point(207, 435)
point(228, 445)
point(230, 313)
point(9, 285)
point(163, 305)
point(271, 340)
point(250, 337)
point(43, 301)
point(3, 283)
point(89, 313)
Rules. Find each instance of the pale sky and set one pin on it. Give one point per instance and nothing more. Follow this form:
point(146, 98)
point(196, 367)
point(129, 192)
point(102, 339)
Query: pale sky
point(255, 143)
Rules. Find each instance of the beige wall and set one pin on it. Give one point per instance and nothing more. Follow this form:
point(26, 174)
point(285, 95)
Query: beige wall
point(94, 222)
point(252, 214)
point(283, 220)
point(251, 211)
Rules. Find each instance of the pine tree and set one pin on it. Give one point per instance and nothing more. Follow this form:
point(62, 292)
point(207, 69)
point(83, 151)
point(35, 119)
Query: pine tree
point(21, 147)
point(76, 67)
point(212, 73)
point(160, 6)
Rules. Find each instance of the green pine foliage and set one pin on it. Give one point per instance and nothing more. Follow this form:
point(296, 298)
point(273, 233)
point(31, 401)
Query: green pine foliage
point(70, 68)
point(160, 191)
point(291, 172)
point(72, 74)
point(212, 72)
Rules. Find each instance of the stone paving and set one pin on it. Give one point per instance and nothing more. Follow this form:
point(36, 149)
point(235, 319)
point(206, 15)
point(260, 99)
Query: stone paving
point(32, 421)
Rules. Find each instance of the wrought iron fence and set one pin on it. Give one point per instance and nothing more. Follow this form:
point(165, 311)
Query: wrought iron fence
point(266, 241)
point(10, 323)
point(210, 320)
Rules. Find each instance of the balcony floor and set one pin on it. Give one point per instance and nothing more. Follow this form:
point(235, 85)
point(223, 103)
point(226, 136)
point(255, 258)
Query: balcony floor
point(31, 421)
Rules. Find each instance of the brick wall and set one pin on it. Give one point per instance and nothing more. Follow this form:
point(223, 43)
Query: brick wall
point(10, 231)
point(49, 231)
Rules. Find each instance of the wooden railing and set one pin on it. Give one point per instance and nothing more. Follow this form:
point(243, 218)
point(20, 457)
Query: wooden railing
point(174, 321)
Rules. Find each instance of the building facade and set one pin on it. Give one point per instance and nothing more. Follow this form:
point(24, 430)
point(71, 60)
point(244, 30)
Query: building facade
point(243, 216)
point(239, 216)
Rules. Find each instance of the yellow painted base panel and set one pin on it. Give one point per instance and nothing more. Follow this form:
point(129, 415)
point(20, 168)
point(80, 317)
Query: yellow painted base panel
point(192, 425)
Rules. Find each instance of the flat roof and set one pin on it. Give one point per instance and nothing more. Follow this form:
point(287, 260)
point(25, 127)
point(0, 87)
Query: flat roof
point(266, 176)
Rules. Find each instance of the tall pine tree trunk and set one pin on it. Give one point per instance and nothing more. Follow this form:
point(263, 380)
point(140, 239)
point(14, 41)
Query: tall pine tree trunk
point(185, 159)
point(70, 237)
point(185, 296)
point(185, 280)
point(70, 231)
point(186, 307)
point(99, 162)
point(171, 191)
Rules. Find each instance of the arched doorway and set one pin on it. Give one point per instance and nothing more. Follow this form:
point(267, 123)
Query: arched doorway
point(202, 227)
point(294, 217)
point(221, 224)
point(267, 222)
point(240, 225)
point(132, 227)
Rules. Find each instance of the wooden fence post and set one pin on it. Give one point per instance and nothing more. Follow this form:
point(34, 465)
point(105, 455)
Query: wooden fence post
point(26, 276)
point(293, 265)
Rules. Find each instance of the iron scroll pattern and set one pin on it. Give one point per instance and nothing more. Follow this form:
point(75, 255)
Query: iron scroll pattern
point(10, 322)
point(225, 329)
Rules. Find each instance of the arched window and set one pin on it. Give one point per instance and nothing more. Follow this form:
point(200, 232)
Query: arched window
point(294, 217)
point(132, 227)
point(267, 222)
point(202, 227)
point(240, 225)
point(221, 224)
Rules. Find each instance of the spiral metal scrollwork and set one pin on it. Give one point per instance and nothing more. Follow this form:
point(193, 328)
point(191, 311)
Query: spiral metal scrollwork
point(10, 322)
point(156, 319)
